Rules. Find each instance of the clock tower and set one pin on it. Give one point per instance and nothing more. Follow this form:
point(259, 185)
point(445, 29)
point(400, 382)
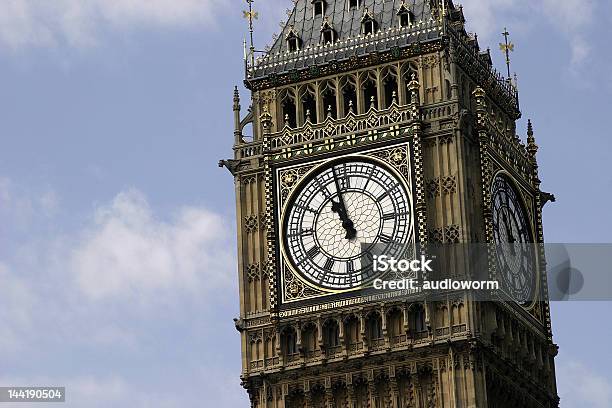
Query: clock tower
point(382, 125)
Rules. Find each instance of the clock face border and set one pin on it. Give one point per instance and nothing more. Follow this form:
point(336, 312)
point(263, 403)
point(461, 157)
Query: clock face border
point(376, 156)
point(519, 192)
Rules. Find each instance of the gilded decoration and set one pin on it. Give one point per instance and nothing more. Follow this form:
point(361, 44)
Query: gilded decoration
point(398, 158)
point(449, 184)
point(293, 288)
point(251, 224)
point(333, 133)
point(290, 178)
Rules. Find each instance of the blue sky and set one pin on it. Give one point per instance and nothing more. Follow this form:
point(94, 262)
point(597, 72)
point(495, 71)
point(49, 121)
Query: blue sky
point(116, 226)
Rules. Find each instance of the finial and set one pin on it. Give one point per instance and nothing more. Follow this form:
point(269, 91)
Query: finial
point(372, 102)
point(350, 105)
point(529, 128)
point(329, 111)
point(532, 147)
point(307, 115)
point(394, 98)
point(481, 103)
point(286, 119)
point(479, 93)
point(413, 90)
point(251, 15)
point(515, 81)
point(265, 119)
point(236, 99)
point(507, 47)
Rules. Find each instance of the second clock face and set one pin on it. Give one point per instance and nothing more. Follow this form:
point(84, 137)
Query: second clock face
point(338, 214)
point(515, 251)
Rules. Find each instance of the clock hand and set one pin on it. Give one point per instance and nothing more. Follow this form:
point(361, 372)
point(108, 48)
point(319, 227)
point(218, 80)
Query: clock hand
point(340, 209)
point(509, 233)
point(347, 224)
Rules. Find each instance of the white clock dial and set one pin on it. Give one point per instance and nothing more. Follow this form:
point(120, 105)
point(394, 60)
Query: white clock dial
point(338, 214)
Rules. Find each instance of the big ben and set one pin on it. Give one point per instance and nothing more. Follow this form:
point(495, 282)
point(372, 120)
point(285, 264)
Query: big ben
point(382, 124)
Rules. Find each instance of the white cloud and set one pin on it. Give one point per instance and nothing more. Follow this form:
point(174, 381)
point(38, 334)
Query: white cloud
point(70, 298)
point(16, 305)
point(571, 18)
point(20, 207)
point(128, 252)
point(25, 23)
point(569, 15)
point(581, 387)
point(483, 16)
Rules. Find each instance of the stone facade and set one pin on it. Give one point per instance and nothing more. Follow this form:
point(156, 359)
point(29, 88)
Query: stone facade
point(441, 102)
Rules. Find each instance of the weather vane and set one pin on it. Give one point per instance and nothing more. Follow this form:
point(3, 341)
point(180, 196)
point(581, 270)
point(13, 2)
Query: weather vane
point(508, 47)
point(251, 15)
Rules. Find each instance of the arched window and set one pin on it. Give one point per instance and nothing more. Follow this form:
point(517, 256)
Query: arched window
point(374, 325)
point(331, 334)
point(351, 332)
point(309, 340)
point(288, 108)
point(389, 78)
point(370, 91)
point(405, 16)
point(395, 325)
point(319, 7)
point(290, 342)
point(309, 104)
point(328, 34)
point(293, 44)
point(457, 314)
point(442, 317)
point(369, 26)
point(328, 94)
point(449, 89)
point(293, 41)
point(270, 347)
point(418, 320)
point(349, 94)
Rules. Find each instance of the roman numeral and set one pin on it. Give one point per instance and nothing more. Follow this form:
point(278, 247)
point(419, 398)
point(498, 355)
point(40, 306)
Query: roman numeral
point(301, 233)
point(346, 178)
point(390, 216)
point(350, 267)
point(329, 264)
point(370, 175)
point(382, 196)
point(323, 189)
point(385, 239)
point(301, 207)
point(312, 252)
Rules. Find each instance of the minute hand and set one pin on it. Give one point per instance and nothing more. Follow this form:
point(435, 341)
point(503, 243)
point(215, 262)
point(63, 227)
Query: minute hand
point(340, 208)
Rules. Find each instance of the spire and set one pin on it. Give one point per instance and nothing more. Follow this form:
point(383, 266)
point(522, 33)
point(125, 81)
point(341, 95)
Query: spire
point(532, 147)
point(237, 121)
point(507, 48)
point(251, 15)
point(236, 98)
point(413, 90)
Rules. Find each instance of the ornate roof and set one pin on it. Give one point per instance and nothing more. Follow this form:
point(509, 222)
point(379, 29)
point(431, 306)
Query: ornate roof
point(346, 22)
point(349, 37)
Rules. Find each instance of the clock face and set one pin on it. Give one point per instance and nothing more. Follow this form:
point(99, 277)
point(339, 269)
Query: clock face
point(514, 244)
point(338, 215)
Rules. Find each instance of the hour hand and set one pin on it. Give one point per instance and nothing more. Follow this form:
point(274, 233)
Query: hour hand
point(347, 224)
